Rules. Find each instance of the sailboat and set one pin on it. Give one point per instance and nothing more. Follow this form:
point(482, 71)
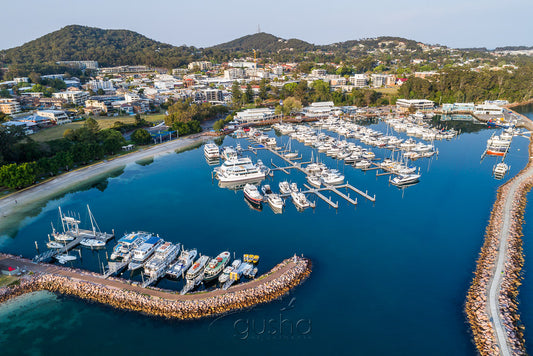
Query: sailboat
point(290, 155)
point(92, 242)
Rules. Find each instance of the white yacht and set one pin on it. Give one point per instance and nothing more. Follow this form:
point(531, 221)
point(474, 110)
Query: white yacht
point(163, 256)
point(211, 151)
point(300, 200)
point(144, 251)
point(314, 181)
point(363, 164)
point(330, 178)
point(284, 187)
point(275, 202)
point(240, 173)
point(404, 179)
point(229, 153)
point(92, 243)
point(251, 193)
point(182, 265)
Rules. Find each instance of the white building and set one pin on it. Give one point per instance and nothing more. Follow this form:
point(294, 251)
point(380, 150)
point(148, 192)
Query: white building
point(319, 109)
point(239, 64)
point(417, 104)
point(488, 109)
point(379, 80)
point(201, 65)
point(131, 97)
point(57, 116)
point(254, 115)
point(233, 73)
point(101, 84)
point(359, 80)
point(22, 80)
point(9, 106)
point(319, 72)
point(76, 97)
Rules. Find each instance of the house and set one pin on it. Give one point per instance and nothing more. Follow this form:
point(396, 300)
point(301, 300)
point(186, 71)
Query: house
point(58, 117)
point(9, 106)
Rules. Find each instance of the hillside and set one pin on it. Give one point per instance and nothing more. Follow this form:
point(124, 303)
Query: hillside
point(374, 43)
point(108, 47)
point(264, 42)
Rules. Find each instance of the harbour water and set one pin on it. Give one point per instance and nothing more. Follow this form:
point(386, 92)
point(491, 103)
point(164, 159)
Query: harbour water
point(388, 278)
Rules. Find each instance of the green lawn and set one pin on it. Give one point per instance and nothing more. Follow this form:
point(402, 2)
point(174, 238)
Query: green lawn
point(7, 280)
point(389, 91)
point(56, 132)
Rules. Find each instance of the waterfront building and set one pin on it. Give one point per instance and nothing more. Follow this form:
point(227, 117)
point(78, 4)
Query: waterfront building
point(319, 109)
point(403, 105)
point(488, 109)
point(458, 107)
point(254, 115)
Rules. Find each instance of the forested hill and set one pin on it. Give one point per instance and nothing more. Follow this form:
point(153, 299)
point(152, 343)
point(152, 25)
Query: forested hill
point(265, 43)
point(108, 47)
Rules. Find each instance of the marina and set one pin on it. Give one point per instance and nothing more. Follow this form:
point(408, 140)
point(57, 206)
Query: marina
point(392, 238)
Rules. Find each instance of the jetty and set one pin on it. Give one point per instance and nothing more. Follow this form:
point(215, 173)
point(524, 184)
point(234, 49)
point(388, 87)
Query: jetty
point(120, 294)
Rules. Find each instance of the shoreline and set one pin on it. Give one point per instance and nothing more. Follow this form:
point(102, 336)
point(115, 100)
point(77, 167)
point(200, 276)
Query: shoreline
point(118, 294)
point(492, 300)
point(19, 202)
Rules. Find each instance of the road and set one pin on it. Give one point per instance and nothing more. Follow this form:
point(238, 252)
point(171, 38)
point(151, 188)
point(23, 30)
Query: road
point(496, 281)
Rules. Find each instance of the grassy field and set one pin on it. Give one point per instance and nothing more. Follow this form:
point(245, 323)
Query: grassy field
point(56, 132)
point(387, 91)
point(7, 280)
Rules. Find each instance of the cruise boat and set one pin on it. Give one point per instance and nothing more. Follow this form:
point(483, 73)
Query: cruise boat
point(211, 151)
point(284, 187)
point(251, 193)
point(215, 266)
point(183, 263)
point(239, 173)
point(163, 256)
point(404, 179)
point(197, 268)
point(314, 181)
point(275, 202)
point(300, 200)
point(128, 243)
point(143, 252)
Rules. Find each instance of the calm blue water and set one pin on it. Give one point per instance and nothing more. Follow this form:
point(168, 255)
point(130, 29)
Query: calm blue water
point(389, 278)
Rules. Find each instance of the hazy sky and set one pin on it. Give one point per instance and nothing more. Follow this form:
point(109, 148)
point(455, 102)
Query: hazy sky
point(455, 23)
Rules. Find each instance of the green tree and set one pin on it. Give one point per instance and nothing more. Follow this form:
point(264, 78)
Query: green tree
point(141, 137)
point(236, 94)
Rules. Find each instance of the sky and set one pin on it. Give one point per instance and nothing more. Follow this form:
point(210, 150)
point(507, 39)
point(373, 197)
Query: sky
point(454, 23)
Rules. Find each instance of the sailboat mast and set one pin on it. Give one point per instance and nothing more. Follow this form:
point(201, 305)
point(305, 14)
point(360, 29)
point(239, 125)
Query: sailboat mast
point(62, 220)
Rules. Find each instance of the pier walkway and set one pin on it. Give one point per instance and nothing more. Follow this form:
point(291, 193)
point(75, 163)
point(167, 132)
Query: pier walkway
point(86, 276)
point(498, 275)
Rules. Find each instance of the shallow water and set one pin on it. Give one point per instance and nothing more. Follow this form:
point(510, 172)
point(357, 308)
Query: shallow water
point(388, 278)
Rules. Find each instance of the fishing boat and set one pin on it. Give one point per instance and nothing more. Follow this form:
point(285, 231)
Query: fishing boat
point(404, 179)
point(128, 243)
point(251, 194)
point(275, 202)
point(64, 258)
point(224, 276)
point(163, 256)
point(197, 268)
point(314, 181)
point(284, 187)
point(143, 252)
point(216, 266)
point(92, 243)
point(183, 263)
point(300, 200)
point(498, 145)
point(211, 151)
